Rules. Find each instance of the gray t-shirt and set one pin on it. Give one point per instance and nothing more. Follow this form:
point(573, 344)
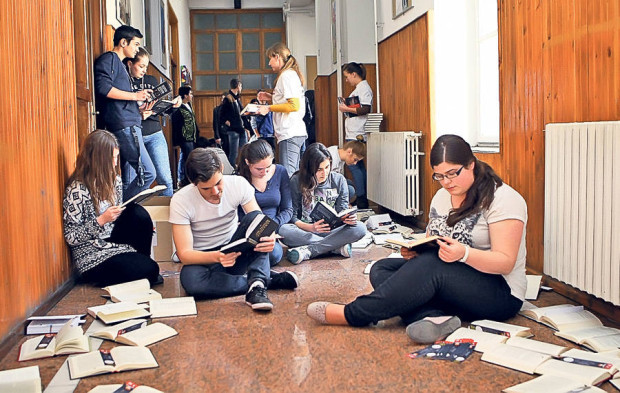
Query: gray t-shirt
point(212, 225)
point(474, 230)
point(333, 191)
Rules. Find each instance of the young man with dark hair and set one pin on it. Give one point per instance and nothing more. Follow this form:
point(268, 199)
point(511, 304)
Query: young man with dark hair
point(238, 128)
point(204, 218)
point(185, 130)
point(351, 153)
point(121, 108)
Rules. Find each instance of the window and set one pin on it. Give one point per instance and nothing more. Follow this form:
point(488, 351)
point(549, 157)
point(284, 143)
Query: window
point(232, 44)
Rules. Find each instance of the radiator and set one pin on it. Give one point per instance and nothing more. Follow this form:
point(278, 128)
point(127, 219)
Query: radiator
point(393, 165)
point(582, 206)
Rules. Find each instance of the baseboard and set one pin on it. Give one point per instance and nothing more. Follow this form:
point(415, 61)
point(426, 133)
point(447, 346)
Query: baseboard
point(15, 334)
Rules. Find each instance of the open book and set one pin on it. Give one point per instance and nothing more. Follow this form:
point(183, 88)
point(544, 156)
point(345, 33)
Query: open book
point(138, 291)
point(161, 106)
point(261, 226)
point(249, 110)
point(118, 312)
point(136, 332)
point(514, 357)
point(505, 329)
point(322, 211)
point(115, 360)
point(146, 194)
point(563, 317)
point(160, 90)
point(70, 339)
point(126, 387)
point(551, 383)
point(586, 375)
point(173, 307)
point(351, 102)
point(419, 245)
point(21, 380)
point(483, 340)
point(598, 338)
point(609, 362)
point(52, 323)
point(536, 346)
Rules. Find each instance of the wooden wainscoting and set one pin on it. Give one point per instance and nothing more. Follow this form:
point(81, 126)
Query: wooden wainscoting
point(38, 146)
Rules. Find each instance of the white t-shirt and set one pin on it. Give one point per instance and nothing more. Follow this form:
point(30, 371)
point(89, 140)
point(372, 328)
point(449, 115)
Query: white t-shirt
point(337, 163)
point(354, 126)
point(288, 125)
point(212, 225)
point(474, 230)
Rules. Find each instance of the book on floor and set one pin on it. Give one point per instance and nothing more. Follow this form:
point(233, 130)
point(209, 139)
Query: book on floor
point(261, 226)
point(116, 359)
point(589, 337)
point(52, 323)
point(21, 380)
point(608, 361)
point(144, 195)
point(514, 357)
point(533, 286)
point(563, 317)
point(551, 383)
point(136, 332)
point(125, 387)
point(138, 291)
point(173, 307)
point(457, 351)
point(249, 110)
point(418, 245)
point(70, 339)
point(118, 312)
point(505, 329)
point(586, 375)
point(615, 382)
point(536, 346)
point(329, 215)
point(483, 340)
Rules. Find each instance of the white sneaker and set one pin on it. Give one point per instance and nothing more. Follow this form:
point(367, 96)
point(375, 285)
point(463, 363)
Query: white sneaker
point(298, 254)
point(346, 251)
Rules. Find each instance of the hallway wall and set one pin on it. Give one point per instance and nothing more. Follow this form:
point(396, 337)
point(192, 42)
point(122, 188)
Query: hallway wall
point(38, 145)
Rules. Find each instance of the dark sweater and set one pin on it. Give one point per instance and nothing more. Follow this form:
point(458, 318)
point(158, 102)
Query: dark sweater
point(230, 111)
point(275, 201)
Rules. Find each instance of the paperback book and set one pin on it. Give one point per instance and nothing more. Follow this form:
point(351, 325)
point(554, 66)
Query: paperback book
point(173, 307)
point(70, 339)
point(146, 194)
point(136, 332)
point(125, 387)
point(329, 215)
point(118, 312)
point(116, 359)
point(21, 380)
point(52, 323)
point(138, 291)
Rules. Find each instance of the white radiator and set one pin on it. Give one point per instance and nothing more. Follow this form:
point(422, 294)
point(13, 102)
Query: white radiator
point(393, 165)
point(582, 206)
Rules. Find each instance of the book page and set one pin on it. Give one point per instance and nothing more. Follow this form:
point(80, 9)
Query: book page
point(615, 382)
point(512, 330)
point(549, 383)
point(31, 348)
point(136, 286)
point(484, 341)
point(143, 195)
point(585, 374)
point(90, 363)
point(537, 346)
point(129, 358)
point(537, 312)
point(595, 357)
point(173, 307)
point(137, 297)
point(571, 320)
point(578, 335)
point(114, 388)
point(123, 316)
point(110, 332)
point(21, 380)
point(603, 343)
point(147, 335)
point(516, 358)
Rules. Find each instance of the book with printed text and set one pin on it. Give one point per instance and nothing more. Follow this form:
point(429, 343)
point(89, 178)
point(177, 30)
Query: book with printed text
point(261, 226)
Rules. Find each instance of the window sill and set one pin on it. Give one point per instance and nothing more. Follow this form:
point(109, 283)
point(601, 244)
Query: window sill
point(486, 148)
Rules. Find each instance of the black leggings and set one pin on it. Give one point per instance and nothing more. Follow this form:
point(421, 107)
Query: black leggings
point(426, 286)
point(135, 228)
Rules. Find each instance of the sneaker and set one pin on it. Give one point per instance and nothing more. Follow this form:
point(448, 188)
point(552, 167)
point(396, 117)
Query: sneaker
point(298, 254)
point(346, 251)
point(426, 331)
point(284, 280)
point(257, 299)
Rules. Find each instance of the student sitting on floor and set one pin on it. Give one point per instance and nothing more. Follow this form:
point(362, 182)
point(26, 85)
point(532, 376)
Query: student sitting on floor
point(109, 244)
point(478, 272)
point(272, 187)
point(315, 182)
point(204, 218)
point(351, 153)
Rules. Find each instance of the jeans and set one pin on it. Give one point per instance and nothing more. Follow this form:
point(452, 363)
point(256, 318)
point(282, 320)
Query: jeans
point(275, 256)
point(290, 153)
point(129, 152)
point(157, 147)
point(216, 281)
point(426, 286)
point(236, 140)
point(321, 243)
point(186, 148)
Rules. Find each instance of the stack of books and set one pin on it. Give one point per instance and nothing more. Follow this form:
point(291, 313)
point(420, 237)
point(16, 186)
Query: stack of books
point(373, 123)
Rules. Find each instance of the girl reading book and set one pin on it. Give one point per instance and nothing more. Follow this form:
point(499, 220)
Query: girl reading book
point(271, 184)
point(478, 272)
point(315, 183)
point(109, 244)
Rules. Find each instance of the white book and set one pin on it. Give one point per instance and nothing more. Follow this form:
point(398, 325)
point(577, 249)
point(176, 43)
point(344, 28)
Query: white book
point(615, 382)
point(516, 358)
point(136, 332)
point(118, 312)
point(21, 380)
point(609, 361)
point(122, 388)
point(115, 360)
point(537, 346)
point(578, 336)
point(483, 340)
point(603, 343)
point(138, 291)
point(551, 384)
point(584, 374)
point(502, 328)
point(144, 195)
point(563, 317)
point(536, 313)
point(70, 339)
point(533, 286)
point(173, 307)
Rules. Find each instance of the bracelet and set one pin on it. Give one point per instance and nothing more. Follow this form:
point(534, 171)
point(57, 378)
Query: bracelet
point(464, 259)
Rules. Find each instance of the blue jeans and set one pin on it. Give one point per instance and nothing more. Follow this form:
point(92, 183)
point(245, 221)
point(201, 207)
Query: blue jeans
point(276, 255)
point(236, 140)
point(129, 152)
point(157, 147)
point(186, 148)
point(321, 243)
point(290, 153)
point(359, 176)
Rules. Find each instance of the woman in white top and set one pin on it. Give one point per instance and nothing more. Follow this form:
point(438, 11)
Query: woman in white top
point(355, 75)
point(288, 106)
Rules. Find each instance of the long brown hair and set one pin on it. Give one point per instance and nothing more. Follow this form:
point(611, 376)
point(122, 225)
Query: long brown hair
point(314, 155)
point(455, 150)
point(95, 167)
point(253, 152)
point(290, 62)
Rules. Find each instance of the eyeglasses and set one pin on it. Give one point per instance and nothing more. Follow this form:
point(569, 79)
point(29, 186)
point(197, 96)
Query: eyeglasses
point(440, 177)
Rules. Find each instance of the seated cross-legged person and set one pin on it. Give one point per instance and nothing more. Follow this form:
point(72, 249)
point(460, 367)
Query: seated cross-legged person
point(271, 184)
point(204, 218)
point(314, 183)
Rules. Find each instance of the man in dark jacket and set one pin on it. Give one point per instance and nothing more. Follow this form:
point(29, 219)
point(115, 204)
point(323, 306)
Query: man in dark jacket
point(185, 130)
point(237, 127)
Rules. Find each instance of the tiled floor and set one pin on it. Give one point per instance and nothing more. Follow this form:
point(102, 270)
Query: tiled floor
point(229, 348)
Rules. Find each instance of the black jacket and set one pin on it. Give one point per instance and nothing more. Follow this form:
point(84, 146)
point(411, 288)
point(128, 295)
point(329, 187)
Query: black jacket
point(230, 111)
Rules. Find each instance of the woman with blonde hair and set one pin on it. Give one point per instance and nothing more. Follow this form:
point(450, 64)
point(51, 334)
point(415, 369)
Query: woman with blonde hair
point(288, 106)
point(109, 244)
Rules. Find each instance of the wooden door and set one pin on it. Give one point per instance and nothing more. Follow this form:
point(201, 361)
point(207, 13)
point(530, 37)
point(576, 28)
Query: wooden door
point(311, 71)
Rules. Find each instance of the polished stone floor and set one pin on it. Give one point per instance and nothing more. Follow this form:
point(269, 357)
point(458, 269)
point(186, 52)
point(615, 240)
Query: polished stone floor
point(229, 348)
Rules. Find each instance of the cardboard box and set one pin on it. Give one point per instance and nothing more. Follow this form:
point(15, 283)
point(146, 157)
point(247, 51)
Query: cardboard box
point(162, 247)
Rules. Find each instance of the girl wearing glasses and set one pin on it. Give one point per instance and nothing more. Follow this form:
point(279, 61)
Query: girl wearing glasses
point(314, 183)
point(271, 184)
point(478, 271)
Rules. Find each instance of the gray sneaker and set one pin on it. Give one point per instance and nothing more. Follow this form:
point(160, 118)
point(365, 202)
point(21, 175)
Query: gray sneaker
point(426, 331)
point(298, 254)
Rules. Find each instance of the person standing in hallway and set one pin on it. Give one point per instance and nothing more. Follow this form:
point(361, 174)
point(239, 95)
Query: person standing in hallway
point(185, 130)
point(288, 106)
point(238, 128)
point(355, 75)
point(121, 109)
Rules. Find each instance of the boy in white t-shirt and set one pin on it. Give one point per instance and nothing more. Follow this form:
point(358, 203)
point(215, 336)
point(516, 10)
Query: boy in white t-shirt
point(351, 153)
point(204, 218)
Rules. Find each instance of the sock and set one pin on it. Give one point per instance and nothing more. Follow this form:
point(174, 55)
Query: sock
point(255, 283)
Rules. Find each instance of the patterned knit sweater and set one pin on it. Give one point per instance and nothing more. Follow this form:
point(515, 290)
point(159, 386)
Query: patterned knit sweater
point(86, 238)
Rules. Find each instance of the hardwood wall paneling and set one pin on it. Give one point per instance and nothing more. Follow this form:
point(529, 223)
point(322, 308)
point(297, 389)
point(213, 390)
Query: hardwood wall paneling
point(331, 133)
point(322, 108)
point(38, 145)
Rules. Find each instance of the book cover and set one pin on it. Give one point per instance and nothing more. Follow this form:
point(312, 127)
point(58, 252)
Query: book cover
point(419, 245)
point(146, 194)
point(261, 226)
point(52, 323)
point(161, 106)
point(160, 90)
point(322, 211)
